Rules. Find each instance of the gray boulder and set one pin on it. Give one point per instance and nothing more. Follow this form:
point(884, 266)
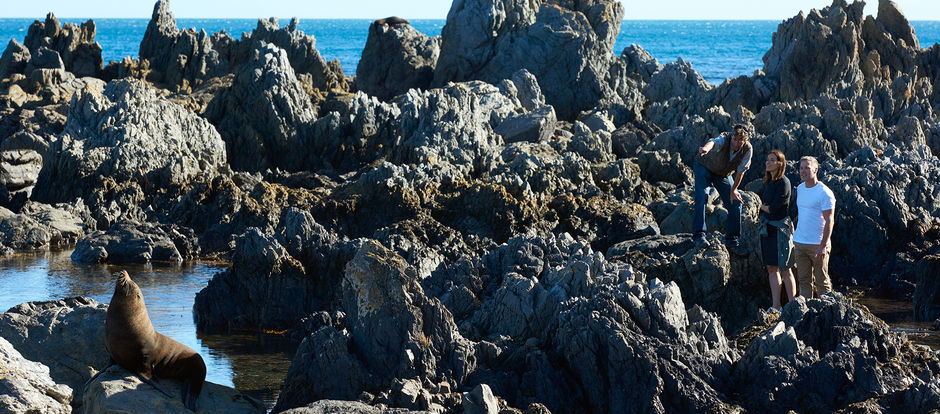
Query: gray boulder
point(640, 62)
point(25, 386)
point(128, 135)
point(396, 58)
point(42, 226)
point(534, 126)
point(676, 79)
point(265, 113)
point(489, 41)
point(350, 407)
point(116, 389)
point(19, 169)
point(133, 242)
point(265, 288)
point(44, 58)
point(14, 59)
point(65, 335)
point(480, 401)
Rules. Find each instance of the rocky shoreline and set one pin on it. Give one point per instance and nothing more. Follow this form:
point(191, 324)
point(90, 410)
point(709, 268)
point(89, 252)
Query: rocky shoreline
point(491, 220)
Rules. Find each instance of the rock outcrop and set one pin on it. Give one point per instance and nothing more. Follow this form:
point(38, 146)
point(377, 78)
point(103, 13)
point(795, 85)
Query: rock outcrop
point(116, 389)
point(26, 385)
point(53, 45)
point(65, 335)
point(264, 115)
point(396, 58)
point(483, 41)
point(132, 242)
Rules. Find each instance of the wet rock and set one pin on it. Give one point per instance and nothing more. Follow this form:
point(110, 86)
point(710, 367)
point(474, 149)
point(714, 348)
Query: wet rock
point(396, 58)
point(263, 115)
point(27, 387)
point(116, 389)
point(266, 288)
point(135, 242)
point(926, 299)
point(65, 335)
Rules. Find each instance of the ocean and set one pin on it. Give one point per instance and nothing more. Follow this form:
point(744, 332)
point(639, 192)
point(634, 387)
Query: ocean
point(718, 49)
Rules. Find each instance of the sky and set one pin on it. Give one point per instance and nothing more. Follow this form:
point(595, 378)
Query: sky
point(429, 9)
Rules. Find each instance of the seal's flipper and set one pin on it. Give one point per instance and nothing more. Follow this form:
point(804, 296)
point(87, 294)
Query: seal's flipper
point(155, 385)
point(189, 398)
point(110, 363)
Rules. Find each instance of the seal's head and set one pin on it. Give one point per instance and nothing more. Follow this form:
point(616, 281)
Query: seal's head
point(124, 286)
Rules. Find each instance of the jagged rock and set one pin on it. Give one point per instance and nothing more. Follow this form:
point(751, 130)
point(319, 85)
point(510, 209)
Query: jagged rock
point(133, 242)
point(480, 401)
point(14, 59)
point(75, 44)
point(65, 335)
point(363, 131)
point(26, 385)
point(401, 334)
point(184, 59)
point(19, 169)
point(127, 137)
point(641, 62)
point(838, 51)
point(880, 194)
point(264, 114)
point(42, 226)
point(676, 79)
point(534, 126)
point(266, 288)
point(44, 58)
point(396, 58)
point(489, 42)
point(116, 389)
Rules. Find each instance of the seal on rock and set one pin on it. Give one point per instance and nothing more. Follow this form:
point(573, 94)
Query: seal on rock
point(391, 21)
point(135, 345)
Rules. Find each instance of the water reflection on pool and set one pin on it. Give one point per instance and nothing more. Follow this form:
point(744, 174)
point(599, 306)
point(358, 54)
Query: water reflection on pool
point(253, 364)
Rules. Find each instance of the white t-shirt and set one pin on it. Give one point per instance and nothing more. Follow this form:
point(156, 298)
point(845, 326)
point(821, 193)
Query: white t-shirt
point(810, 203)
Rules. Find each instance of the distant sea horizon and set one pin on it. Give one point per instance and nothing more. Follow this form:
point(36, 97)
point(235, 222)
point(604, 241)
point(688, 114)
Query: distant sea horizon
point(718, 49)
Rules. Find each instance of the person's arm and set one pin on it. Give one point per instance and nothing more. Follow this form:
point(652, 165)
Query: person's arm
point(735, 195)
point(827, 232)
point(711, 144)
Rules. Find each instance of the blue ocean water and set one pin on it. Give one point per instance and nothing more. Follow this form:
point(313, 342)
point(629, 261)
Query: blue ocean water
point(718, 49)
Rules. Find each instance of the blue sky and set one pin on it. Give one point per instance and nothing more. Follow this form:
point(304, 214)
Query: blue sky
point(414, 9)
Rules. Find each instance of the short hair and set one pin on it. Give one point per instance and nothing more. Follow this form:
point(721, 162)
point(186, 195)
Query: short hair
point(811, 160)
point(740, 129)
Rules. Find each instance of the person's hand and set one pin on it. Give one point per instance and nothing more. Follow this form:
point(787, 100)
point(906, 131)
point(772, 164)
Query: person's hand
point(736, 196)
point(820, 252)
point(765, 208)
point(702, 151)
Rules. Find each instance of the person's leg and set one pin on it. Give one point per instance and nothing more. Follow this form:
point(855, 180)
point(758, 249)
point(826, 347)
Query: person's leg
point(702, 181)
point(773, 273)
point(804, 268)
point(821, 274)
point(733, 225)
point(789, 284)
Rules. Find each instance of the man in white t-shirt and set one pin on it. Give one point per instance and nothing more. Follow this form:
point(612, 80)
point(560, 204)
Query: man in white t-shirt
point(811, 240)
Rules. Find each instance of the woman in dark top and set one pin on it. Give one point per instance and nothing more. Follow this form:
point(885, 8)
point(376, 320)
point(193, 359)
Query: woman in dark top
point(775, 200)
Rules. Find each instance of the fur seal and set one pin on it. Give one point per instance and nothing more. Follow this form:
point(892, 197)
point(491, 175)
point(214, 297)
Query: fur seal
point(391, 21)
point(135, 345)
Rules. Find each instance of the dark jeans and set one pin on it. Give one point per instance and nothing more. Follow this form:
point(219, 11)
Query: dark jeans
point(704, 179)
